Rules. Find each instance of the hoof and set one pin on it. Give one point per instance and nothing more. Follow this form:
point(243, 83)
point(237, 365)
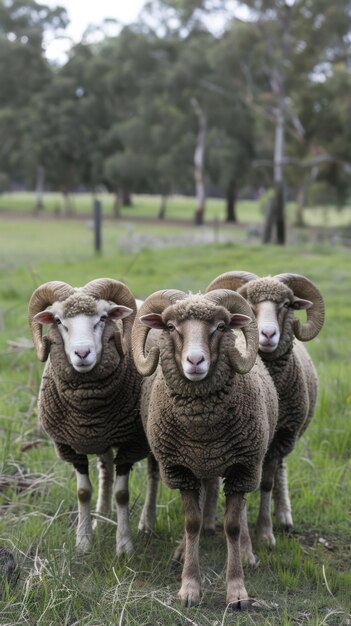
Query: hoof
point(284, 520)
point(146, 526)
point(240, 605)
point(254, 562)
point(178, 556)
point(286, 530)
point(147, 531)
point(83, 545)
point(124, 548)
point(248, 604)
point(189, 594)
point(266, 537)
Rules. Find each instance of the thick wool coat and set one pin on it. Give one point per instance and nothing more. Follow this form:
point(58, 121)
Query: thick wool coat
point(220, 426)
point(88, 413)
point(291, 368)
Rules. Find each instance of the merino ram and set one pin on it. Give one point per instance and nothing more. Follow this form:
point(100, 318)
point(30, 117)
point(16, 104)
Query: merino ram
point(209, 411)
point(89, 398)
point(274, 301)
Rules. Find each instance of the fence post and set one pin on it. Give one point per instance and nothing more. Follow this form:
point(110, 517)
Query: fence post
point(97, 226)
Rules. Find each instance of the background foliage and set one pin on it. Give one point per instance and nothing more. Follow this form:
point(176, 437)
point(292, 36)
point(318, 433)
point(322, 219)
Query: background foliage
point(119, 112)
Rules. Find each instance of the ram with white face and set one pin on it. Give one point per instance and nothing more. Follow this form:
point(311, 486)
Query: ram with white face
point(82, 332)
point(273, 315)
point(89, 398)
point(274, 300)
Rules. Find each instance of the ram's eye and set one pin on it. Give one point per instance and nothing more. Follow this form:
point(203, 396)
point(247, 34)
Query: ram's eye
point(58, 321)
point(170, 326)
point(286, 305)
point(103, 318)
point(221, 326)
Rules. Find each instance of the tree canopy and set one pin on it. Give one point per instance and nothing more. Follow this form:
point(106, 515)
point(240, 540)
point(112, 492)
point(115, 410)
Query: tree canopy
point(271, 78)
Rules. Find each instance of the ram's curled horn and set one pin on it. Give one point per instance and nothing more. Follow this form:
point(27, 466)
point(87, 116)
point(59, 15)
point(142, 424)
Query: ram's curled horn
point(44, 296)
point(156, 303)
point(235, 303)
point(232, 280)
point(304, 288)
point(117, 292)
point(110, 289)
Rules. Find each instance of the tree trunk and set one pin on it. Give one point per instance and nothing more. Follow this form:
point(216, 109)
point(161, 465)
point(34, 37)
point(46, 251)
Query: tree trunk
point(126, 197)
point(163, 207)
point(199, 158)
point(116, 208)
point(280, 212)
point(39, 190)
point(67, 203)
point(275, 215)
point(300, 204)
point(231, 203)
point(269, 220)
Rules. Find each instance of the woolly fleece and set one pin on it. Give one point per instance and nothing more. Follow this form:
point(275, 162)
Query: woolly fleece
point(267, 289)
point(291, 368)
point(92, 412)
point(84, 304)
point(220, 426)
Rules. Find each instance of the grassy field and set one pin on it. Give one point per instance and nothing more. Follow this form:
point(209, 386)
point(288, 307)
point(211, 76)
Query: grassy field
point(306, 580)
point(178, 207)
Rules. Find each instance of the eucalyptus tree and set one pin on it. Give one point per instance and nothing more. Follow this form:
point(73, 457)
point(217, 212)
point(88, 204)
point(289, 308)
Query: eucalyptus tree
point(61, 134)
point(293, 40)
point(24, 71)
point(280, 51)
point(207, 78)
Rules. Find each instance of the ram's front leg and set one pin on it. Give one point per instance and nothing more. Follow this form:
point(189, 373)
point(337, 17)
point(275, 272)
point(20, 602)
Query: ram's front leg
point(190, 591)
point(281, 497)
point(84, 536)
point(264, 526)
point(106, 477)
point(237, 595)
point(124, 543)
point(148, 515)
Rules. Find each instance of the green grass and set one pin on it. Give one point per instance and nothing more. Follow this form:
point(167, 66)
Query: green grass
point(178, 207)
point(303, 581)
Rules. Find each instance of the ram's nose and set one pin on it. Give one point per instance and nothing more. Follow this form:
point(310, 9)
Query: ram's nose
point(269, 333)
point(195, 358)
point(269, 337)
point(82, 354)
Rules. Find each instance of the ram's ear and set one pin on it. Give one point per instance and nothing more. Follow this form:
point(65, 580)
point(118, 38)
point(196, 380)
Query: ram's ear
point(300, 304)
point(153, 320)
point(44, 317)
point(239, 320)
point(118, 312)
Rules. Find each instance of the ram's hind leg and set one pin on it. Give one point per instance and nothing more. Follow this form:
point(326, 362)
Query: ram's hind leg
point(212, 486)
point(281, 497)
point(208, 496)
point(246, 550)
point(106, 477)
point(264, 526)
point(148, 515)
point(124, 537)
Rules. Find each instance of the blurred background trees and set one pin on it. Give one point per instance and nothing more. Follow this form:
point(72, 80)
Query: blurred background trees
point(269, 80)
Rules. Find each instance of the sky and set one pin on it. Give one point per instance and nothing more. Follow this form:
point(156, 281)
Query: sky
point(82, 13)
